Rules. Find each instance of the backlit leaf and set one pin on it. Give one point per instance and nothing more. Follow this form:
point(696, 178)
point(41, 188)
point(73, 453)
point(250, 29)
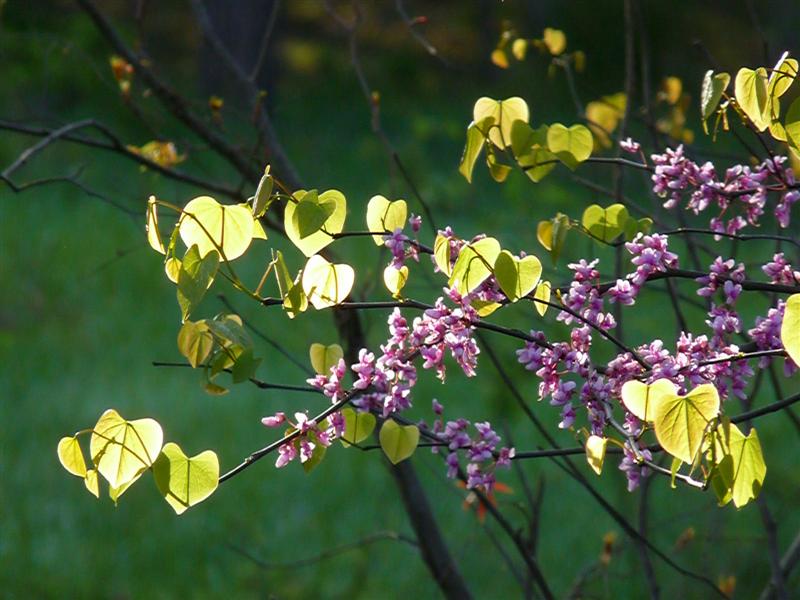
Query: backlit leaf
point(542, 293)
point(122, 449)
point(71, 457)
point(358, 426)
point(714, 85)
point(605, 224)
point(398, 442)
point(596, 452)
point(751, 94)
point(476, 138)
point(395, 279)
point(194, 279)
point(504, 112)
point(91, 482)
point(195, 342)
point(153, 235)
point(331, 203)
point(474, 265)
point(323, 357)
point(517, 277)
point(790, 328)
point(571, 145)
point(441, 254)
point(641, 399)
point(680, 422)
point(211, 226)
point(383, 215)
point(326, 284)
point(744, 474)
point(555, 40)
point(184, 481)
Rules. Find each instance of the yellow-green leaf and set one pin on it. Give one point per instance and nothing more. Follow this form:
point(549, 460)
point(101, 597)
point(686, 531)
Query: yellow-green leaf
point(153, 235)
point(474, 265)
point(751, 94)
point(441, 254)
point(517, 277)
point(195, 277)
point(358, 426)
point(714, 84)
point(744, 475)
point(185, 481)
point(91, 482)
point(555, 40)
point(121, 449)
point(641, 399)
point(331, 203)
point(790, 328)
point(195, 342)
point(326, 284)
point(383, 215)
point(542, 293)
point(262, 198)
point(680, 422)
point(782, 76)
point(398, 442)
point(71, 457)
point(519, 48)
point(504, 113)
point(172, 267)
point(605, 224)
point(596, 452)
point(213, 226)
point(792, 125)
point(323, 357)
point(476, 138)
point(571, 145)
point(395, 279)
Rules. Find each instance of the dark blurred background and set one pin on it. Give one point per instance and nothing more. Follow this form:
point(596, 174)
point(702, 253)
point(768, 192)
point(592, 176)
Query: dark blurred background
point(85, 308)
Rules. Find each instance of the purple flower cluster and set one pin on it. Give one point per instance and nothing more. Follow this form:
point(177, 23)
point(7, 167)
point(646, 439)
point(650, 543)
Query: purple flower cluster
point(481, 450)
point(780, 271)
point(741, 195)
point(310, 437)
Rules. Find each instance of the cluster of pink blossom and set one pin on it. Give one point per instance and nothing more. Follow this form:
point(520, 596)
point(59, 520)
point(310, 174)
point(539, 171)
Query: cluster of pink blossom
point(304, 445)
point(779, 270)
point(741, 195)
point(481, 449)
point(400, 245)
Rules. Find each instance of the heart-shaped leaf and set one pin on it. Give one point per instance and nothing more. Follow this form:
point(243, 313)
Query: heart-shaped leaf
point(395, 279)
point(91, 482)
point(474, 265)
point(326, 284)
point(543, 291)
point(476, 138)
point(714, 85)
point(323, 357)
point(309, 217)
point(782, 76)
point(122, 449)
point(358, 426)
point(641, 399)
point(153, 235)
point(537, 162)
point(680, 422)
point(383, 215)
point(504, 113)
point(185, 481)
point(398, 442)
point(517, 277)
point(71, 457)
point(195, 342)
point(555, 40)
point(552, 234)
point(605, 224)
point(213, 226)
point(332, 203)
point(751, 94)
point(790, 328)
point(596, 452)
point(195, 277)
point(441, 254)
point(742, 468)
point(571, 145)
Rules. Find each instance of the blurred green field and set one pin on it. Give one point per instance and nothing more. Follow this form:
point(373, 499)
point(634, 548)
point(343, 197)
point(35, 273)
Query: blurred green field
point(85, 308)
